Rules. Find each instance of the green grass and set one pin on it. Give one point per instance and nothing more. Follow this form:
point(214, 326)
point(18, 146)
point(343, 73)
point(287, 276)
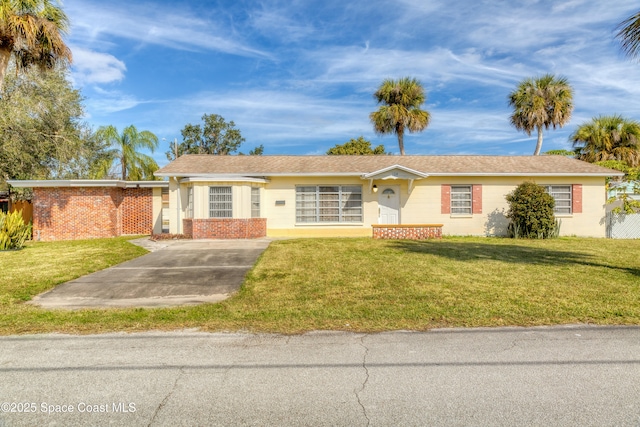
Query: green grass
point(356, 285)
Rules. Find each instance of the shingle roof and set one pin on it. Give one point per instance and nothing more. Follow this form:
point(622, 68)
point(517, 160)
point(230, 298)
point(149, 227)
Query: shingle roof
point(202, 164)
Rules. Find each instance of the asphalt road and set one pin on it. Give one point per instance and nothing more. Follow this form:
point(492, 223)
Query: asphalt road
point(560, 376)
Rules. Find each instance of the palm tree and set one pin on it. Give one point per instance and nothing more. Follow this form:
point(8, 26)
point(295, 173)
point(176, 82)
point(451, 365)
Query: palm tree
point(629, 35)
point(608, 138)
point(401, 110)
point(133, 164)
point(31, 31)
point(541, 102)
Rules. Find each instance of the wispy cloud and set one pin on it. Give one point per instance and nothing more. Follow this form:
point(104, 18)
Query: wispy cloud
point(111, 101)
point(154, 24)
point(95, 67)
point(298, 76)
point(275, 25)
point(283, 118)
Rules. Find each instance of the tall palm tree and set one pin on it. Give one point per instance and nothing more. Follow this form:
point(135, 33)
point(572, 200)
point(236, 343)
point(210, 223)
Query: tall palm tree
point(608, 138)
point(401, 110)
point(629, 35)
point(133, 165)
point(541, 102)
point(32, 31)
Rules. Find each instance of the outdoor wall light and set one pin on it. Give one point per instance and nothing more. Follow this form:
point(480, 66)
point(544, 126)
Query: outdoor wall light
point(375, 188)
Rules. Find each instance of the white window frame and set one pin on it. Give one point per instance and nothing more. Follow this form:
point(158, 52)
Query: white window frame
point(220, 202)
point(463, 204)
point(320, 204)
point(561, 194)
point(189, 213)
point(255, 202)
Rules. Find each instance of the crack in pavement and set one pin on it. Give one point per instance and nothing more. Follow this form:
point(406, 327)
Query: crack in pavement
point(166, 398)
point(366, 379)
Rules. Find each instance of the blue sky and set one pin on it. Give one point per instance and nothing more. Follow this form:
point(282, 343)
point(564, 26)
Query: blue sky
point(298, 76)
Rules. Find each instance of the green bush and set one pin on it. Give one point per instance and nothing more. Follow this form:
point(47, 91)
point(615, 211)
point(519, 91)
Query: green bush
point(531, 213)
point(13, 231)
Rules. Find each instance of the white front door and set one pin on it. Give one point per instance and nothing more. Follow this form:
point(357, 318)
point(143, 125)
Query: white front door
point(389, 205)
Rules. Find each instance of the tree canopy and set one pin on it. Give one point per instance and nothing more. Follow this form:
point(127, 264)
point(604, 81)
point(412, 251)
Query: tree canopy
point(214, 136)
point(124, 153)
point(560, 152)
point(32, 32)
point(401, 110)
point(256, 151)
point(629, 35)
point(359, 146)
point(43, 134)
point(541, 102)
point(608, 138)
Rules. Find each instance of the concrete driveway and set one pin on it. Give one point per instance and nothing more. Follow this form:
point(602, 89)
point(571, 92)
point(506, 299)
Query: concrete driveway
point(177, 272)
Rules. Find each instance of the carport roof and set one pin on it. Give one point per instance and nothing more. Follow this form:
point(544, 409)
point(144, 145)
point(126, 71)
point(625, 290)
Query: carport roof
point(211, 165)
point(39, 183)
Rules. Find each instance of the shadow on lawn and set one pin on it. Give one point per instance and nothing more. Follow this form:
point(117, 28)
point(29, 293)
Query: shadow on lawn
point(513, 253)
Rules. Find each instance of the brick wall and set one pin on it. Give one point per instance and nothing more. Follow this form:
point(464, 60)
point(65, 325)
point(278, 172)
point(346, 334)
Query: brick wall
point(445, 199)
point(407, 232)
point(225, 228)
point(187, 227)
point(576, 200)
point(476, 199)
point(137, 211)
point(70, 213)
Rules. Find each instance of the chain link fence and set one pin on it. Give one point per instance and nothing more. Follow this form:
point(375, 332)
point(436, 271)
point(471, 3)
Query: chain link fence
point(623, 226)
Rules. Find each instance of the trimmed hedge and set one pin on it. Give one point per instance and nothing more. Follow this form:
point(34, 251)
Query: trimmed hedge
point(531, 212)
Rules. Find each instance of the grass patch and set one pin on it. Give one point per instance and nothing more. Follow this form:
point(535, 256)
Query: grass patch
point(357, 285)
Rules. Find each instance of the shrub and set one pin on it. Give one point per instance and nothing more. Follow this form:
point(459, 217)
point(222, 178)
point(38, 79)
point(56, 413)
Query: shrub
point(531, 212)
point(13, 231)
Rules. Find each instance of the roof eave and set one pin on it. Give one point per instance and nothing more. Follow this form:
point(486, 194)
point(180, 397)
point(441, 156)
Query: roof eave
point(360, 174)
point(224, 178)
point(50, 183)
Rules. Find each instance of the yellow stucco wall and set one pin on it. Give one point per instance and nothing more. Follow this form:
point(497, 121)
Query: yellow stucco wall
point(175, 207)
point(157, 210)
point(421, 205)
point(179, 197)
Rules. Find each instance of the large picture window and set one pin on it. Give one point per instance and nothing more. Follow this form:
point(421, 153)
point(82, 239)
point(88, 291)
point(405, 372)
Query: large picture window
point(220, 202)
point(461, 201)
point(562, 195)
point(328, 203)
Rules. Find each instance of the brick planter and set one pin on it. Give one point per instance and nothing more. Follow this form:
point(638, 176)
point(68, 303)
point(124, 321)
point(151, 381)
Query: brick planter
point(225, 228)
point(407, 232)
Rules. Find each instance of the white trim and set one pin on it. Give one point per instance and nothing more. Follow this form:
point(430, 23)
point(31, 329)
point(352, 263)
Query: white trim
point(257, 175)
point(550, 174)
point(44, 183)
point(146, 184)
point(390, 168)
point(361, 175)
point(223, 178)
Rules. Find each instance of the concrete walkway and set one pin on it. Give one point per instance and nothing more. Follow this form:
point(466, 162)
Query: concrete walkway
point(176, 272)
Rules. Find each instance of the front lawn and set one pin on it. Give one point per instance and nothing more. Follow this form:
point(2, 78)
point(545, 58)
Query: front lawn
point(357, 285)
